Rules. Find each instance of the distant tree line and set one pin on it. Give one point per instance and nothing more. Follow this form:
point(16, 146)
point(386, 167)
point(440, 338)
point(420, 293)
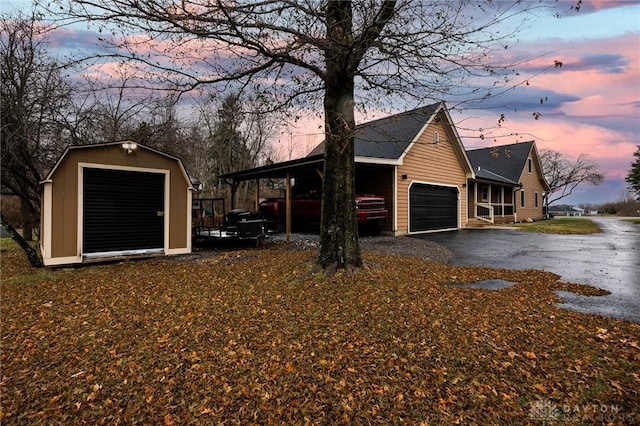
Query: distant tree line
point(44, 110)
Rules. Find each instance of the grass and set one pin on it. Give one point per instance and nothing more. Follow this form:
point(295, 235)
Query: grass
point(633, 220)
point(562, 226)
point(255, 337)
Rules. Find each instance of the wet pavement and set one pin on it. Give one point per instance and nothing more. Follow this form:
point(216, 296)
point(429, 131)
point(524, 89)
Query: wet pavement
point(609, 260)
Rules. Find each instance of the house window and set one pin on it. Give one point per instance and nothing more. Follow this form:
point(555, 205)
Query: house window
point(484, 192)
point(436, 138)
point(530, 165)
point(522, 198)
point(535, 199)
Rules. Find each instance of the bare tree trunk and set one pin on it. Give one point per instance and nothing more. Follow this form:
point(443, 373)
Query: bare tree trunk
point(339, 231)
point(339, 246)
point(27, 225)
point(32, 254)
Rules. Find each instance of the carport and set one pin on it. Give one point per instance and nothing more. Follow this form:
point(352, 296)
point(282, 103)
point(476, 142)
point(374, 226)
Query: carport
point(310, 166)
point(286, 170)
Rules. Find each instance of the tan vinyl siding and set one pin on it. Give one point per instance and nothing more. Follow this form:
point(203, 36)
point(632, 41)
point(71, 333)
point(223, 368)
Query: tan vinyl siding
point(531, 183)
point(180, 211)
point(426, 162)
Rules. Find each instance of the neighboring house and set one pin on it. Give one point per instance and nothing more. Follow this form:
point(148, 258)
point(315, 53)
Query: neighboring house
point(112, 200)
point(508, 184)
point(417, 162)
point(565, 210)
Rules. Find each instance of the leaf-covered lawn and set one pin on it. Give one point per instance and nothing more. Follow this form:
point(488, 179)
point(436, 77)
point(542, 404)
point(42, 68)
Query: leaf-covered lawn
point(252, 337)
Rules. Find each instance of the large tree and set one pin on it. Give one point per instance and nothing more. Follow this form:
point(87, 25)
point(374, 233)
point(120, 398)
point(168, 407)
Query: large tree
point(564, 173)
point(34, 99)
point(298, 53)
point(633, 178)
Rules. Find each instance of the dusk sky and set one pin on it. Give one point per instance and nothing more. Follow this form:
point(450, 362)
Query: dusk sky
point(590, 105)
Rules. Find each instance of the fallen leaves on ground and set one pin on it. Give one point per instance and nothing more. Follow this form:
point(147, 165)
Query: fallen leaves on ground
point(255, 337)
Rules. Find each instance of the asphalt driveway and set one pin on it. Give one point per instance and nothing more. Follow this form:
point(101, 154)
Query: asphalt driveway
point(609, 260)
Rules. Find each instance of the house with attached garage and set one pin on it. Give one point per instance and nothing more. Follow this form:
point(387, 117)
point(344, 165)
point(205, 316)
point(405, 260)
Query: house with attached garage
point(417, 162)
point(420, 168)
point(113, 200)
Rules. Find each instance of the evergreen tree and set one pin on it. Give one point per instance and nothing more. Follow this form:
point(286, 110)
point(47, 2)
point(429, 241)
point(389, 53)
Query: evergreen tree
point(633, 178)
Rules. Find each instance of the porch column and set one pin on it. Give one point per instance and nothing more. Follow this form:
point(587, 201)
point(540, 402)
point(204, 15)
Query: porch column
point(490, 199)
point(475, 199)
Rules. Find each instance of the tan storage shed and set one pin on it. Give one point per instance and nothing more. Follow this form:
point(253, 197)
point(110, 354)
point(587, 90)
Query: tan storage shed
point(112, 200)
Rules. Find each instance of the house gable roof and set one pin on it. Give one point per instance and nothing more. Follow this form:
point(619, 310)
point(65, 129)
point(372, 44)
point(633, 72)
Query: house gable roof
point(503, 163)
point(389, 137)
point(388, 140)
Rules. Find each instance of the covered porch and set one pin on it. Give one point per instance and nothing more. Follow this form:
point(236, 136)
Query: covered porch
point(491, 202)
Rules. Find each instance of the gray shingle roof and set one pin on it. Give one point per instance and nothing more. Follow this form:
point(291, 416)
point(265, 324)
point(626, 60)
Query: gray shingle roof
point(503, 163)
point(388, 137)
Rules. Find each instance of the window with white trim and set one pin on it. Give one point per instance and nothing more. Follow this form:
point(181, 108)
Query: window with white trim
point(522, 204)
point(535, 199)
point(530, 165)
point(484, 192)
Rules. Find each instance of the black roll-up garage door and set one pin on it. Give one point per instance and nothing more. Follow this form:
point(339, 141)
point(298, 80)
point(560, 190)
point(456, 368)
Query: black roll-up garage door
point(123, 211)
point(432, 207)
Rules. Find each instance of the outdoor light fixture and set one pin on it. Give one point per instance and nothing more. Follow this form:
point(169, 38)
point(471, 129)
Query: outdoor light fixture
point(129, 146)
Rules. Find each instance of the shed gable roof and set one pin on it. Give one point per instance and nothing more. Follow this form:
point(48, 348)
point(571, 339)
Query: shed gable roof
point(98, 145)
point(389, 137)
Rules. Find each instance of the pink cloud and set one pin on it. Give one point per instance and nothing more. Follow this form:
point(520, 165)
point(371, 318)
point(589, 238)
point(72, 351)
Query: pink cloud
point(596, 5)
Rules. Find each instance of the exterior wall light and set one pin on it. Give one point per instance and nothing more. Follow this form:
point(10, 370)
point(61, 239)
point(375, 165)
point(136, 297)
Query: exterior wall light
point(129, 146)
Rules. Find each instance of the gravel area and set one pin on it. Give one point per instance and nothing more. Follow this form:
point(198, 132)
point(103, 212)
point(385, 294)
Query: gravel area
point(400, 246)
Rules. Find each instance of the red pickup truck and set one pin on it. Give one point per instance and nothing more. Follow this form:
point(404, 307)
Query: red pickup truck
point(306, 204)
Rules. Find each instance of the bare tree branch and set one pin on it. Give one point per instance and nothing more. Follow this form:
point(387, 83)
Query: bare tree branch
point(565, 174)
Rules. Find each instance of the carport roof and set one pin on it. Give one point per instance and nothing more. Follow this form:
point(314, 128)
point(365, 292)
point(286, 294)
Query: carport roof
point(279, 170)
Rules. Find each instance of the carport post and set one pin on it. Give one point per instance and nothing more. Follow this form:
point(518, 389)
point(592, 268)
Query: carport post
point(287, 218)
point(257, 200)
point(234, 186)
